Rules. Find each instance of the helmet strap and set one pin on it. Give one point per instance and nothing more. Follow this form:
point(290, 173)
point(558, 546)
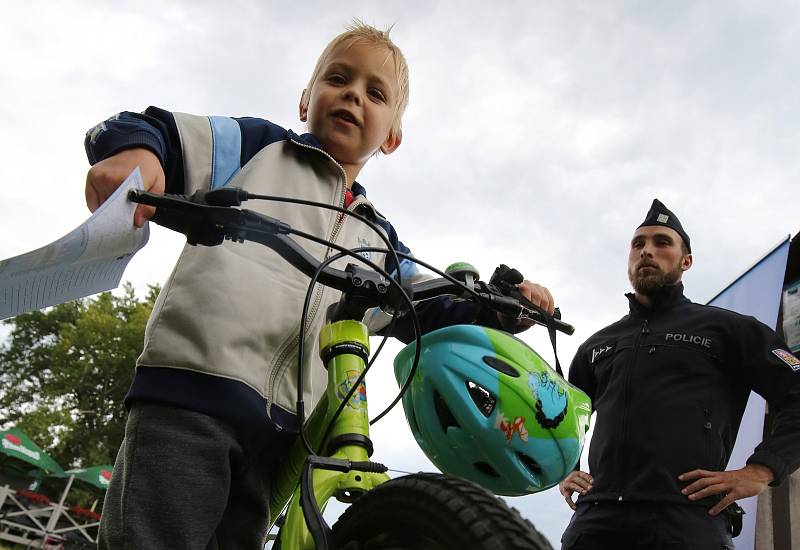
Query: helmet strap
point(551, 330)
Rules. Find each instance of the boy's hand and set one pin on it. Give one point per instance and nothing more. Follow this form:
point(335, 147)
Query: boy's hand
point(535, 294)
point(108, 174)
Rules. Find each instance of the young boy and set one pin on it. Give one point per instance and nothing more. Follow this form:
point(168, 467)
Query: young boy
point(212, 404)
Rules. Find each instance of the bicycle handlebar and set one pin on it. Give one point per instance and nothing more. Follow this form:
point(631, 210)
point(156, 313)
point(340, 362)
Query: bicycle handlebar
point(208, 218)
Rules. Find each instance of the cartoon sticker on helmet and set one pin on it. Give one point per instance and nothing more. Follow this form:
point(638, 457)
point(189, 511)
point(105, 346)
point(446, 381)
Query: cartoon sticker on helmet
point(510, 428)
point(359, 398)
point(551, 399)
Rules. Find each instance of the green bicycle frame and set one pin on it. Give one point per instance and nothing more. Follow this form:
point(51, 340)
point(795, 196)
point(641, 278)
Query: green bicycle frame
point(343, 370)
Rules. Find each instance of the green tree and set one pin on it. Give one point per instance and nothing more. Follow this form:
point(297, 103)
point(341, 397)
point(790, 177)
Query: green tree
point(64, 373)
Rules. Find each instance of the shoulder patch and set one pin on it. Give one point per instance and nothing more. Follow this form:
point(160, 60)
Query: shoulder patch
point(602, 351)
point(788, 358)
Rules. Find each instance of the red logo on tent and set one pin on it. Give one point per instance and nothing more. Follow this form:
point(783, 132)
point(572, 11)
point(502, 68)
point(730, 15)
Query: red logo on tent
point(105, 474)
point(13, 439)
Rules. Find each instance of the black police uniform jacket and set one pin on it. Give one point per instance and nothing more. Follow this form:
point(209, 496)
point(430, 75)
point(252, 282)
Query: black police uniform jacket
point(670, 384)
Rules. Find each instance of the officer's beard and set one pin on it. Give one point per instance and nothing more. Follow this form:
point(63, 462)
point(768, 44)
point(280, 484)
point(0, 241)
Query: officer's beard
point(649, 284)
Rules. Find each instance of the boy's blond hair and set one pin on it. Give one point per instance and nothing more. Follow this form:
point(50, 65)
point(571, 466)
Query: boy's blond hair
point(359, 31)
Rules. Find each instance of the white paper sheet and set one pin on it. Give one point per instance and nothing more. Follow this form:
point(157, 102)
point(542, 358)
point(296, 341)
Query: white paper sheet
point(87, 260)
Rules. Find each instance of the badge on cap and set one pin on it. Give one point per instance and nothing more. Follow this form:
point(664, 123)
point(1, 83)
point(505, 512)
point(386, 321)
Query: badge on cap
point(788, 358)
point(661, 215)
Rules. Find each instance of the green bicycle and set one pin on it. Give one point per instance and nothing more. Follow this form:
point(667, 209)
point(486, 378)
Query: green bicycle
point(471, 399)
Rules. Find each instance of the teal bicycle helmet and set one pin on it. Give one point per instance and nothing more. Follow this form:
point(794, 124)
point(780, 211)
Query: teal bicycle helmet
point(484, 406)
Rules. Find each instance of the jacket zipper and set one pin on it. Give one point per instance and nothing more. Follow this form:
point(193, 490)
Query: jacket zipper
point(318, 296)
point(334, 161)
point(279, 366)
point(628, 374)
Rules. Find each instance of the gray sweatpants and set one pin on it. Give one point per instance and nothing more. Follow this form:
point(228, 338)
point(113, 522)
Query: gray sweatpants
point(185, 480)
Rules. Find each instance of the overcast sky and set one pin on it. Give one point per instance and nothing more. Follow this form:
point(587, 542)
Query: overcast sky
point(537, 133)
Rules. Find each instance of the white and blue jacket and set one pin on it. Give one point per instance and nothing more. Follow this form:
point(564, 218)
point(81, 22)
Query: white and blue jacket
point(223, 336)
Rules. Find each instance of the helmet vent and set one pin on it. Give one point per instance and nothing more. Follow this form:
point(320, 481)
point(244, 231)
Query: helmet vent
point(484, 400)
point(443, 412)
point(530, 464)
point(485, 469)
point(500, 365)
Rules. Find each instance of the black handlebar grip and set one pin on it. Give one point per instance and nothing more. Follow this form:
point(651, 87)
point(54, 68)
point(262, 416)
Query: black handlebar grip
point(561, 326)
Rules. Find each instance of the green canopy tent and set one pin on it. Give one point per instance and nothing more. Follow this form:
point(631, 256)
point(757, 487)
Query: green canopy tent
point(25, 513)
point(99, 476)
point(15, 444)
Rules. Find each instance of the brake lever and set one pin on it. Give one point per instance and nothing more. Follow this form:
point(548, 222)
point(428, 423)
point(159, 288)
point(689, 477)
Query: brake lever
point(179, 213)
point(558, 324)
point(507, 299)
point(208, 224)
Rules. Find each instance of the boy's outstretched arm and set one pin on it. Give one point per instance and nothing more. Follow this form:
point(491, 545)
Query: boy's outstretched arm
point(153, 141)
point(106, 176)
point(116, 146)
point(445, 311)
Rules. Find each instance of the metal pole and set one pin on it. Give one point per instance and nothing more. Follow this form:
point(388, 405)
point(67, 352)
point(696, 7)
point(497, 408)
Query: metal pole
point(59, 508)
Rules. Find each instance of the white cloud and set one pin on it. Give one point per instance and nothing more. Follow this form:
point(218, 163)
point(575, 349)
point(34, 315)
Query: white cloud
point(537, 133)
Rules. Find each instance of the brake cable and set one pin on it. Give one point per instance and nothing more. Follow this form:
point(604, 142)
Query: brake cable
point(343, 252)
point(369, 223)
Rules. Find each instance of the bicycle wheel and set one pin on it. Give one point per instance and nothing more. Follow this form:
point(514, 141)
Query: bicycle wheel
point(434, 512)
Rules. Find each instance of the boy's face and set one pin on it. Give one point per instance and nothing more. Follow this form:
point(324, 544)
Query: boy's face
point(352, 103)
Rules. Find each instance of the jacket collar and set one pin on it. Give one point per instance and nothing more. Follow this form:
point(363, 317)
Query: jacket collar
point(312, 141)
point(358, 189)
point(666, 297)
point(305, 139)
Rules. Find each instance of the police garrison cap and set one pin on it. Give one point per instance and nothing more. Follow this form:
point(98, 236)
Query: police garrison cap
point(661, 215)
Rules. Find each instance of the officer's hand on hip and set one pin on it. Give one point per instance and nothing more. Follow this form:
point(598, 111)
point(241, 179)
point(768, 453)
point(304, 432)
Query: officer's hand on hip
point(575, 482)
point(733, 485)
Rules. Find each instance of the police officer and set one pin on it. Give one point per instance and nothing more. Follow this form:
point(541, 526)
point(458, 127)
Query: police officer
point(670, 382)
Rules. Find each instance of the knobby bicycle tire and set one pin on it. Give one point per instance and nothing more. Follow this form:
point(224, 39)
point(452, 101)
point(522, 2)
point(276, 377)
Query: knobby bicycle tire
point(434, 512)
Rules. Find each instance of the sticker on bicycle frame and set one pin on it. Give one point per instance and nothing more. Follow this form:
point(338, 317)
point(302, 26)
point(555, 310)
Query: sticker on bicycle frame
point(517, 426)
point(792, 361)
point(359, 398)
